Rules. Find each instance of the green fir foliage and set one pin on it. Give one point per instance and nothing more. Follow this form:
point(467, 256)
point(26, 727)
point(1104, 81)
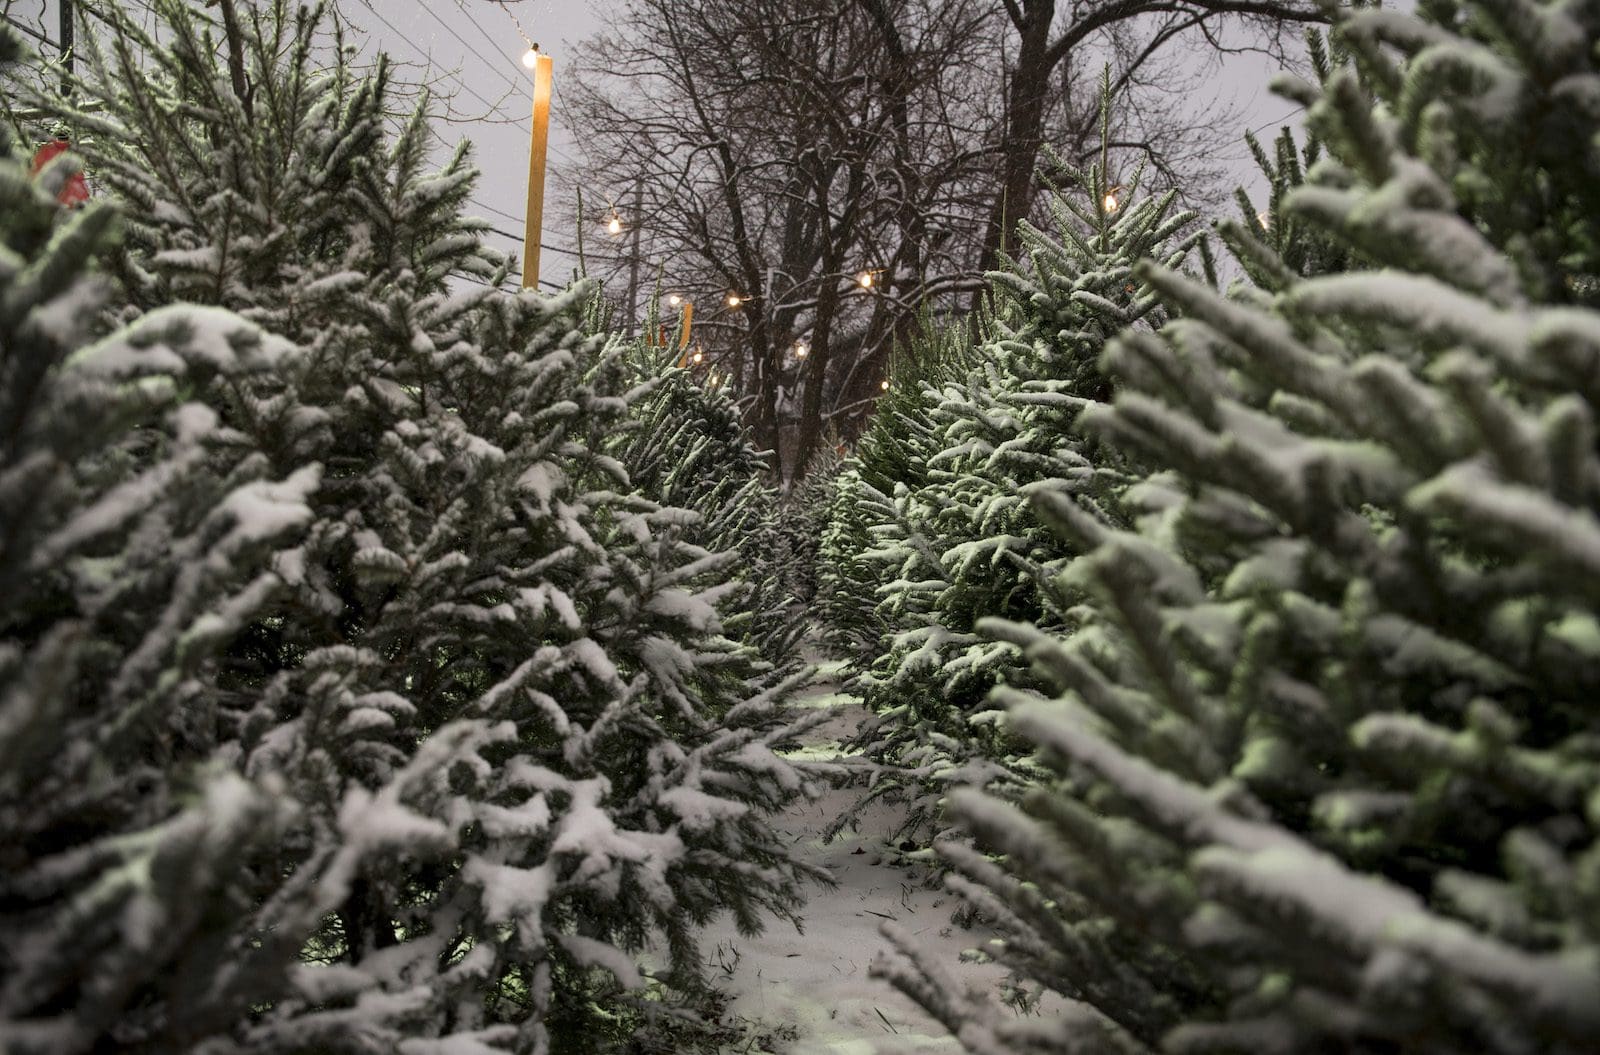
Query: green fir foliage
point(142, 532)
point(687, 447)
point(1322, 733)
point(355, 697)
point(934, 521)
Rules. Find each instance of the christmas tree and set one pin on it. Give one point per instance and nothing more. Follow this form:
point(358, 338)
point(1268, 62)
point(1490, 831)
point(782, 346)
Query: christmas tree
point(803, 517)
point(993, 426)
point(891, 457)
point(1324, 767)
point(510, 731)
point(142, 533)
point(689, 448)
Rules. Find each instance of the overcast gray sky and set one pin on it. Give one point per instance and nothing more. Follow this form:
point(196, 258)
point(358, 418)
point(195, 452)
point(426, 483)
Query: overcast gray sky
point(480, 44)
point(483, 41)
point(474, 47)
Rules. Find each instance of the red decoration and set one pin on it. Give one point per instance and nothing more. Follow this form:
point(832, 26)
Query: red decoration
point(75, 191)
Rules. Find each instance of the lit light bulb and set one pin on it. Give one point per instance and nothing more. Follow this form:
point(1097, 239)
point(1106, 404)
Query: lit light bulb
point(734, 300)
point(1264, 220)
point(1110, 201)
point(801, 349)
point(698, 356)
point(674, 301)
point(614, 225)
point(530, 58)
point(884, 384)
point(865, 278)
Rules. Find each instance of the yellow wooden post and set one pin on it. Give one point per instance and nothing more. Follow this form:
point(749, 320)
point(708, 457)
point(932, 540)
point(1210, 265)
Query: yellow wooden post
point(688, 321)
point(543, 77)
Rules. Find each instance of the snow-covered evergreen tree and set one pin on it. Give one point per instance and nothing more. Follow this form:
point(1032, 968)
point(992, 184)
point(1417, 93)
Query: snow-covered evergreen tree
point(1324, 745)
point(890, 456)
point(803, 517)
point(510, 734)
point(689, 449)
point(141, 532)
point(963, 543)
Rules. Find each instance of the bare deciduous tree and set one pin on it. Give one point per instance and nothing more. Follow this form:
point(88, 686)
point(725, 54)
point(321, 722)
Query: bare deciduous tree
point(1137, 38)
point(845, 167)
point(787, 152)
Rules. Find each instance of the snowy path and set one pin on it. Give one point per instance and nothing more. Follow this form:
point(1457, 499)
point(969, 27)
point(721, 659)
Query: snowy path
point(817, 982)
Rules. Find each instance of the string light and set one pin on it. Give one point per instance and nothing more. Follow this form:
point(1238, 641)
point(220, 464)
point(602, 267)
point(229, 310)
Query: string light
point(1109, 202)
point(801, 349)
point(1264, 220)
point(734, 300)
point(865, 278)
point(674, 301)
point(884, 384)
point(699, 356)
point(530, 58)
point(614, 225)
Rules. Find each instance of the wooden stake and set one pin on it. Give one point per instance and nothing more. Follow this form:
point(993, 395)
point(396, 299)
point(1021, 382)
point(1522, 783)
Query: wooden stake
point(543, 77)
point(688, 321)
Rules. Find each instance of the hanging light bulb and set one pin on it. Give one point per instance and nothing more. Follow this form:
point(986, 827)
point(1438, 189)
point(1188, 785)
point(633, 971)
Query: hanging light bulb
point(1265, 220)
point(698, 356)
point(614, 225)
point(530, 58)
point(1110, 203)
point(674, 301)
point(884, 384)
point(865, 278)
point(734, 300)
point(801, 349)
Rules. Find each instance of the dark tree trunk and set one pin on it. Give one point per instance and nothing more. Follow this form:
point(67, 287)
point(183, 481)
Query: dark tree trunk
point(815, 374)
point(835, 240)
point(230, 27)
point(906, 270)
point(365, 921)
point(1028, 89)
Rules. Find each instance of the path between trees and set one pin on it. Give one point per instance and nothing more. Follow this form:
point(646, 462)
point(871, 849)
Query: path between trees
point(811, 991)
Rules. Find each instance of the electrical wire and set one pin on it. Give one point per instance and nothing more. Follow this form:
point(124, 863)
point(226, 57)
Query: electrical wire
point(512, 274)
point(493, 107)
point(1279, 121)
point(485, 206)
point(30, 31)
point(462, 7)
point(431, 13)
point(496, 109)
point(588, 253)
point(498, 212)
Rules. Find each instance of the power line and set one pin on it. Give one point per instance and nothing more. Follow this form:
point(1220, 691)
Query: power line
point(498, 212)
point(519, 239)
point(463, 40)
point(494, 107)
point(473, 19)
point(514, 85)
point(512, 274)
point(588, 254)
point(1279, 121)
point(34, 33)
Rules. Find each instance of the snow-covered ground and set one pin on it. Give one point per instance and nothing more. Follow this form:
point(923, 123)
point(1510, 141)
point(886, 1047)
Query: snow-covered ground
point(815, 984)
